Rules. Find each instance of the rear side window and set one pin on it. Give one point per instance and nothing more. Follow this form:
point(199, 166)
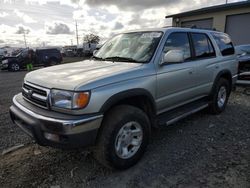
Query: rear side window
point(224, 43)
point(178, 41)
point(202, 46)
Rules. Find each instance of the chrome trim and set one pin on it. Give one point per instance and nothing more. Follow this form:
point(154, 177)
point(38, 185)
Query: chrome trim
point(39, 87)
point(39, 97)
point(25, 90)
point(185, 115)
point(235, 76)
point(243, 82)
point(63, 122)
point(35, 103)
point(244, 73)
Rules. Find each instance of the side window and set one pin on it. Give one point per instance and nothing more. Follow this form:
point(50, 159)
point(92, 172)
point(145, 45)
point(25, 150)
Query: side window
point(178, 41)
point(202, 46)
point(224, 43)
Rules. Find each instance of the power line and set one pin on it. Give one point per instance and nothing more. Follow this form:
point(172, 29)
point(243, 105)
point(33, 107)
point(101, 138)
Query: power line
point(24, 37)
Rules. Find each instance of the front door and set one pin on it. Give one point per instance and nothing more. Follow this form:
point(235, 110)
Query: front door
point(176, 81)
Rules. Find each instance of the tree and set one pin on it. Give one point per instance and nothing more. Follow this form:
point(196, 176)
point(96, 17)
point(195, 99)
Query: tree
point(91, 38)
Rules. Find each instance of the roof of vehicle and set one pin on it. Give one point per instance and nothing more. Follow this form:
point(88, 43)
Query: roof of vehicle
point(165, 29)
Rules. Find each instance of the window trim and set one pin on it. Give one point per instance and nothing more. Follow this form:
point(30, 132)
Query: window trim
point(231, 43)
point(194, 58)
point(190, 46)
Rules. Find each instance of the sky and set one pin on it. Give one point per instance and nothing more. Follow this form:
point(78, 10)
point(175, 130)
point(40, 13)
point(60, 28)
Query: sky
point(52, 22)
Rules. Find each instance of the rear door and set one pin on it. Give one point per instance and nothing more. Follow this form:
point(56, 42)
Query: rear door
point(176, 81)
point(206, 62)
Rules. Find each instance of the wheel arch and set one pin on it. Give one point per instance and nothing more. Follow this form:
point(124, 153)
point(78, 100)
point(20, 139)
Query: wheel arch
point(223, 74)
point(140, 98)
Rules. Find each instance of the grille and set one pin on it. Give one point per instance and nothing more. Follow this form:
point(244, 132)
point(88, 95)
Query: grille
point(36, 95)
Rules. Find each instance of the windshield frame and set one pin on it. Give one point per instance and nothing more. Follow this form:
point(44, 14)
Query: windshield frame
point(133, 32)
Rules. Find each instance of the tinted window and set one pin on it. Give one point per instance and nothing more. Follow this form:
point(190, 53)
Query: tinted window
point(178, 41)
point(202, 46)
point(224, 42)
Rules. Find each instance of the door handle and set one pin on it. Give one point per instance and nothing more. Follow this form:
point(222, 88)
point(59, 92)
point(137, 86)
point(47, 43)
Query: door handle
point(190, 72)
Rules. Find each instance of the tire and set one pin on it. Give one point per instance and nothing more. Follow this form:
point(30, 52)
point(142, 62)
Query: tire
point(219, 97)
point(53, 62)
point(112, 139)
point(14, 67)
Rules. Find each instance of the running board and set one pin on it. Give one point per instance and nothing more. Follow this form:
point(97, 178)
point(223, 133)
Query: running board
point(175, 115)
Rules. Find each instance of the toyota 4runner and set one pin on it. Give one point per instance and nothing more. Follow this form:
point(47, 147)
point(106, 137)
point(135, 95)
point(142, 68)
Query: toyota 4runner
point(136, 81)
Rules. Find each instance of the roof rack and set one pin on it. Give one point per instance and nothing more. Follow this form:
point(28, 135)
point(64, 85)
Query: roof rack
point(167, 26)
point(210, 29)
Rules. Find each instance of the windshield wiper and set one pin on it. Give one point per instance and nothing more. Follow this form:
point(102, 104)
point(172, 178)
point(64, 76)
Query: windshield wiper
point(98, 58)
point(118, 58)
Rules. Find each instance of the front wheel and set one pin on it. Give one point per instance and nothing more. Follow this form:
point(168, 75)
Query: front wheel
point(14, 67)
point(123, 137)
point(220, 96)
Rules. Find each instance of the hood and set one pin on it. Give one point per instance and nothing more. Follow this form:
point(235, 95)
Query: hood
point(73, 75)
point(9, 57)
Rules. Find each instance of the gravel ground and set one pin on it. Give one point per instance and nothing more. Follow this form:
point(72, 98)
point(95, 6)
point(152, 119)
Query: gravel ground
point(200, 151)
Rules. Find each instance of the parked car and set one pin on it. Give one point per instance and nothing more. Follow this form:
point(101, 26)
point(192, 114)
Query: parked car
point(48, 57)
point(243, 53)
point(137, 80)
point(43, 57)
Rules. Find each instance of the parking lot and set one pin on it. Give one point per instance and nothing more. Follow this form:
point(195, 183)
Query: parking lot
point(200, 151)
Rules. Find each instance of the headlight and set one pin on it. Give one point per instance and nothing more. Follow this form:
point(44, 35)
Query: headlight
point(68, 99)
point(5, 61)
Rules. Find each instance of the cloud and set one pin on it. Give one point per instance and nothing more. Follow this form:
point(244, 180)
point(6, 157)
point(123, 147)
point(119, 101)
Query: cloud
point(132, 4)
point(22, 29)
point(52, 21)
point(1, 41)
point(24, 17)
point(3, 14)
point(58, 28)
point(118, 26)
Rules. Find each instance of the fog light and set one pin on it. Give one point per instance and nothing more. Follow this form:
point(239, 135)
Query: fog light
point(52, 137)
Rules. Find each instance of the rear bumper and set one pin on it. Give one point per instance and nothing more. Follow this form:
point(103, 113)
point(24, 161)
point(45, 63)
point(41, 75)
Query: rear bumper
point(244, 76)
point(61, 133)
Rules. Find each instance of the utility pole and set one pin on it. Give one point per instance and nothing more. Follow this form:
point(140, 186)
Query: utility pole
point(71, 42)
point(226, 1)
point(77, 34)
point(24, 37)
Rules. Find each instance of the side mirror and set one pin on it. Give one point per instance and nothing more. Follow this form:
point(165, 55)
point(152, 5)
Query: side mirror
point(95, 51)
point(173, 56)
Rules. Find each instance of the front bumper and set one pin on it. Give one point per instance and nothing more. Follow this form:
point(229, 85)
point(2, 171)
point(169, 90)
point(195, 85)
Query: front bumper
point(4, 66)
point(64, 132)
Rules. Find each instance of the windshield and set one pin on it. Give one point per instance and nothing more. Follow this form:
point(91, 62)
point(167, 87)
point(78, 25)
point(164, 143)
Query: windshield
point(22, 53)
point(134, 47)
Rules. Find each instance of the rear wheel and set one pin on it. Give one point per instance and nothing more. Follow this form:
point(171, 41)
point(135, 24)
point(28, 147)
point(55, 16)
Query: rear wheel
point(220, 96)
point(14, 67)
point(53, 62)
point(123, 138)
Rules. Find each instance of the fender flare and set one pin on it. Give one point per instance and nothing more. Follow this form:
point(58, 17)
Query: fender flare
point(219, 75)
point(114, 99)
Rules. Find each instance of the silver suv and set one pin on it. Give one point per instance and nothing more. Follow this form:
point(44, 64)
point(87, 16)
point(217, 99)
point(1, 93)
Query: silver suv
point(137, 80)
